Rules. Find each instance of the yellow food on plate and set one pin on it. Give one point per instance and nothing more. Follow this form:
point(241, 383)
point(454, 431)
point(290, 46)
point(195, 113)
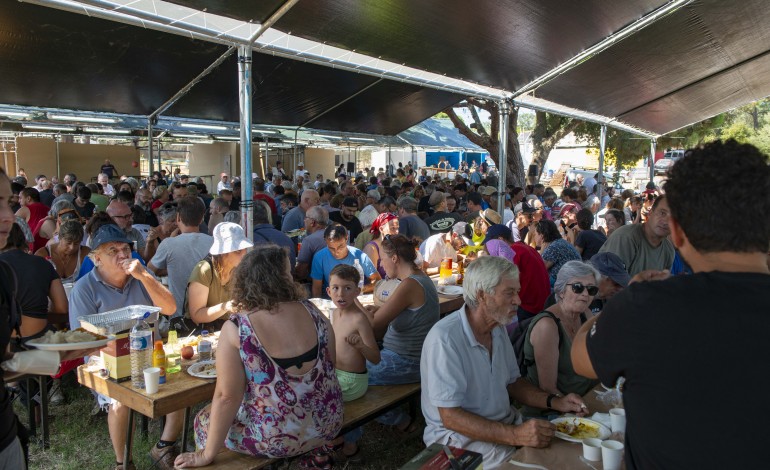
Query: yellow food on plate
point(578, 429)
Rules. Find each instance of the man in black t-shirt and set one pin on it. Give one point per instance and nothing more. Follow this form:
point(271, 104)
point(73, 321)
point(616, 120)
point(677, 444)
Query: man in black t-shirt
point(681, 342)
point(346, 217)
point(588, 242)
point(441, 221)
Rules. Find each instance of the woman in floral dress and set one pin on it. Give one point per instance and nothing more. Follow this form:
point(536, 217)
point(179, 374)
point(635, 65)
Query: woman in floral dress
point(277, 394)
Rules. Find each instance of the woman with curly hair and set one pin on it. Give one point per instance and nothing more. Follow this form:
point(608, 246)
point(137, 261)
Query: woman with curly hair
point(261, 366)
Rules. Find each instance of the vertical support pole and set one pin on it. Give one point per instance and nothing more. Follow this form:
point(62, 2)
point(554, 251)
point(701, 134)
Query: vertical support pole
point(602, 149)
point(244, 91)
point(267, 158)
point(653, 144)
point(149, 145)
point(57, 138)
point(502, 170)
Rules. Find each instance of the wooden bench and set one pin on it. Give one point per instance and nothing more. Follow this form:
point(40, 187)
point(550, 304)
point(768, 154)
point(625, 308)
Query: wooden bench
point(379, 399)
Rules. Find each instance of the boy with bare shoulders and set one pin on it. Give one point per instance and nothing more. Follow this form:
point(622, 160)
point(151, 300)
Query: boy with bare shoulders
point(354, 340)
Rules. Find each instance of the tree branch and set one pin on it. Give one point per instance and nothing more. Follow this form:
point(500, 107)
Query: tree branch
point(477, 120)
point(465, 130)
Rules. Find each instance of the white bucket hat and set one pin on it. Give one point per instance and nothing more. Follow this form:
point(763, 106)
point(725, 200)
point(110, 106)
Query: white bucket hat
point(229, 237)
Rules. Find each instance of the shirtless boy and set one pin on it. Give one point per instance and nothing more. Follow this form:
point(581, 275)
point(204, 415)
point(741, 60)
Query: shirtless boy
point(354, 340)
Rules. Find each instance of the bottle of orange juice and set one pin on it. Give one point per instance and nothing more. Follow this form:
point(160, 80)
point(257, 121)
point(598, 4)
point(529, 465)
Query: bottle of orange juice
point(159, 360)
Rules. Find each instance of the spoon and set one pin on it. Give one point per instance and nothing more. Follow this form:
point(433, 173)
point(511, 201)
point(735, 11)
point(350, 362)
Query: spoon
point(587, 462)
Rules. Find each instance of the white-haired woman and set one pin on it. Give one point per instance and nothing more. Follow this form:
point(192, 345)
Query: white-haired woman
point(549, 335)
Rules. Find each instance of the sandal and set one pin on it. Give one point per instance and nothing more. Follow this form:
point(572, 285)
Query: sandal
point(318, 461)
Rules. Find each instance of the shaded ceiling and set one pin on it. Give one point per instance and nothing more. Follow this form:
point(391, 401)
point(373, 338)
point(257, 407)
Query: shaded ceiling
point(704, 59)
point(64, 60)
point(500, 43)
point(707, 57)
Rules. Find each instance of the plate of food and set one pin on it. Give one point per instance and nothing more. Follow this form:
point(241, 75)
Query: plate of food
point(450, 290)
point(574, 429)
point(203, 370)
point(69, 340)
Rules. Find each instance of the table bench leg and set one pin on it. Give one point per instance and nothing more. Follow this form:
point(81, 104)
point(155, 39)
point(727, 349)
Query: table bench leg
point(43, 382)
point(31, 408)
point(129, 439)
point(185, 430)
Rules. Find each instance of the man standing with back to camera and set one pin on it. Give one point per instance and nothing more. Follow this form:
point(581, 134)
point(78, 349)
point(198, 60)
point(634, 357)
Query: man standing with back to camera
point(682, 342)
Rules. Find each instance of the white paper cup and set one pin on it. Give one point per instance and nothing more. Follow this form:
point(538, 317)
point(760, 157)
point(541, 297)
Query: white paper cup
point(592, 449)
point(151, 379)
point(618, 419)
point(612, 455)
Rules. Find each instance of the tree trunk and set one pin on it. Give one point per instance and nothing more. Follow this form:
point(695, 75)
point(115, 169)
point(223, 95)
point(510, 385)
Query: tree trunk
point(544, 139)
point(490, 141)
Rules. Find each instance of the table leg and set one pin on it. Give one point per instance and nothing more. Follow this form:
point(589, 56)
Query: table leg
point(31, 407)
point(185, 430)
point(129, 439)
point(43, 381)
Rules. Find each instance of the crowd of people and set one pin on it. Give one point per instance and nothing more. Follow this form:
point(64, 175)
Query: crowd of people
point(561, 291)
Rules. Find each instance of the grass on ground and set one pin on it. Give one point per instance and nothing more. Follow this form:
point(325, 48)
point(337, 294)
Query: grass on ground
point(80, 441)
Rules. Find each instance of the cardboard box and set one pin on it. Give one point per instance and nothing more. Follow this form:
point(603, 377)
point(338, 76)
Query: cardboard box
point(119, 367)
point(116, 356)
point(120, 346)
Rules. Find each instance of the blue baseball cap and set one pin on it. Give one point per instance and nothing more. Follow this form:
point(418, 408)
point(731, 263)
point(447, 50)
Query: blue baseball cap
point(610, 265)
point(109, 233)
point(496, 231)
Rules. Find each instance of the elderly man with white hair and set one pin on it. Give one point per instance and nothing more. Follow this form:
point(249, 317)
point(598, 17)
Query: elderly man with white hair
point(469, 372)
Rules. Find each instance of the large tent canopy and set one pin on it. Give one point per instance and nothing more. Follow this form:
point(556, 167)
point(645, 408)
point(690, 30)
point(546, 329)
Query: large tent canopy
point(381, 66)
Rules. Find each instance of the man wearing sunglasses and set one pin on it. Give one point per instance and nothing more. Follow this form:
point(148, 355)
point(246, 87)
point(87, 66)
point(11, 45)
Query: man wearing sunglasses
point(675, 341)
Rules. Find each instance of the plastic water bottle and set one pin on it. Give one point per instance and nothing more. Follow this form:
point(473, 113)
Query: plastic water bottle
point(140, 340)
point(204, 347)
point(360, 275)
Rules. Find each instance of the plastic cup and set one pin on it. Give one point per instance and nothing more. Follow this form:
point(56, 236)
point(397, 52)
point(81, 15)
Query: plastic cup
point(612, 455)
point(151, 379)
point(618, 420)
point(592, 449)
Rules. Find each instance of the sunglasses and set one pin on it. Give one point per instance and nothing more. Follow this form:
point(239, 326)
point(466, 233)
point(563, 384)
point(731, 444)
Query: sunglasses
point(578, 288)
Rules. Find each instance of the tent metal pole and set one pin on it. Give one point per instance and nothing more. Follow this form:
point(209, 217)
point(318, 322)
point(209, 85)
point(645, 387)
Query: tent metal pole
point(57, 138)
point(267, 157)
point(277, 14)
point(244, 88)
point(653, 144)
point(149, 144)
point(602, 148)
point(502, 170)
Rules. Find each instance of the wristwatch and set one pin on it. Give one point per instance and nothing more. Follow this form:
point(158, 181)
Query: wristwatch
point(551, 397)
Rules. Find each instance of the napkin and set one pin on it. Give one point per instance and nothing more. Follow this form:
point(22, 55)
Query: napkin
point(33, 362)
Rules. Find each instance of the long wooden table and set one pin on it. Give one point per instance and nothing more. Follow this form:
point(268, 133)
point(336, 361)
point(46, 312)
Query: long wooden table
point(560, 454)
point(181, 391)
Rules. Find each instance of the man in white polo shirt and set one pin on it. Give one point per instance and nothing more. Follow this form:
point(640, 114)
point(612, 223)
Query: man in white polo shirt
point(470, 373)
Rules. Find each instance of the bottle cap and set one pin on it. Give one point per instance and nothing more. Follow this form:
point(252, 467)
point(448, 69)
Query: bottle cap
point(159, 345)
point(204, 332)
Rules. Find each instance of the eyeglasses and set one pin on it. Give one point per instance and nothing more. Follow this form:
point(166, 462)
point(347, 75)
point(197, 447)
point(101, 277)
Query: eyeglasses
point(578, 288)
point(68, 215)
point(113, 252)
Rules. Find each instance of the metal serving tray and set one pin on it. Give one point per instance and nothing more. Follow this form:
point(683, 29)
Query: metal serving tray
point(119, 320)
